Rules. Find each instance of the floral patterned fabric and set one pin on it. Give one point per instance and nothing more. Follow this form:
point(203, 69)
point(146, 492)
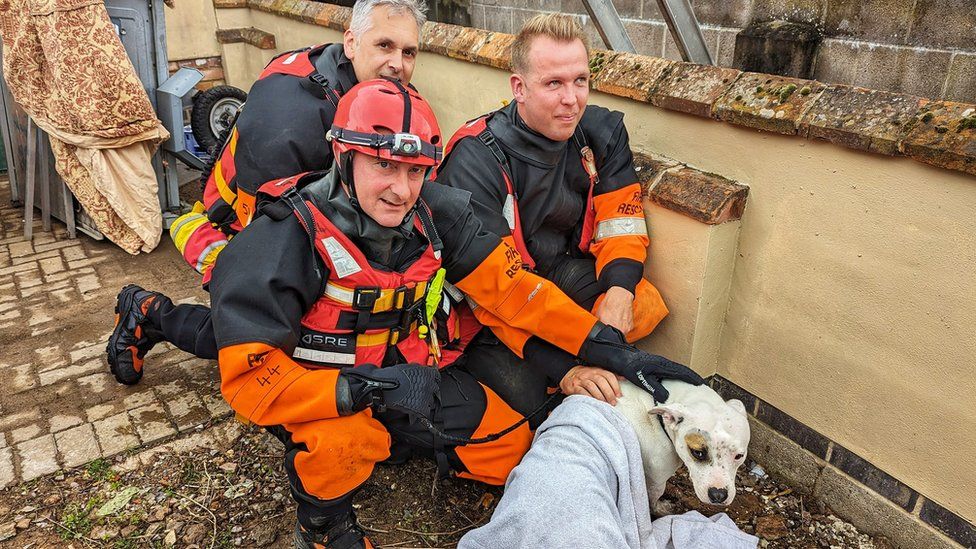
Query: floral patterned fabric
point(66, 67)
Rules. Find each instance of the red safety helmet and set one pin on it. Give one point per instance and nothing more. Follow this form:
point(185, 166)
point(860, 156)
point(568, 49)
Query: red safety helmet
point(385, 119)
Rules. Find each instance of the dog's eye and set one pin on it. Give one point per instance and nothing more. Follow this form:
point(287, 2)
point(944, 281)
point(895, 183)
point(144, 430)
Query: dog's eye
point(700, 455)
point(739, 456)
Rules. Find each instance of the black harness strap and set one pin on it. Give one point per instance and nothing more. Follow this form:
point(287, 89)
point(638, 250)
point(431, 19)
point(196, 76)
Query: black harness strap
point(323, 82)
point(299, 206)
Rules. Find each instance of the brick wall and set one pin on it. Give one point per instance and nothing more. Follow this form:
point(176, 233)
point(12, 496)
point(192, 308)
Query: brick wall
point(211, 67)
point(920, 47)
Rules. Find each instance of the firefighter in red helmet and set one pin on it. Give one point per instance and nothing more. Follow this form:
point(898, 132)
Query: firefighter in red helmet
point(326, 334)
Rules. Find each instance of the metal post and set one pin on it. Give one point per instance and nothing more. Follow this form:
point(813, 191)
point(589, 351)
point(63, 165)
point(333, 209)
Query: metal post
point(608, 24)
point(31, 179)
point(687, 35)
point(45, 167)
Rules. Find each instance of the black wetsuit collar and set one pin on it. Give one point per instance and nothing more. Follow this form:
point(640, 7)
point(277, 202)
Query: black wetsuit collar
point(333, 64)
point(378, 243)
point(522, 142)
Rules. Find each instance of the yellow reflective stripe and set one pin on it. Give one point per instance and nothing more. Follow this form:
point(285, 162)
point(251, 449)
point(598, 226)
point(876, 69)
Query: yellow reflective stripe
point(233, 141)
point(382, 338)
point(383, 303)
point(226, 193)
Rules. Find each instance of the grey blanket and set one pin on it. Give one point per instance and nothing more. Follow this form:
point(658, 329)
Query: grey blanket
point(582, 485)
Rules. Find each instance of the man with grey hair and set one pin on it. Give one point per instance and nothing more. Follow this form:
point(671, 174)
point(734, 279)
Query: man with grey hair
point(280, 132)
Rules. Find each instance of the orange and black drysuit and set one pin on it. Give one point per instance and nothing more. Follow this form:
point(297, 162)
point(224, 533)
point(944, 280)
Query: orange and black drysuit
point(574, 211)
point(280, 132)
point(291, 304)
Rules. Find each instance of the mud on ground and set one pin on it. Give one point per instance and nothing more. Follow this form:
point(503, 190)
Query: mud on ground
point(237, 495)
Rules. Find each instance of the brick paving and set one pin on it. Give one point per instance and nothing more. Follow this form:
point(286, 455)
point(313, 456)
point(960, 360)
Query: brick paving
point(60, 407)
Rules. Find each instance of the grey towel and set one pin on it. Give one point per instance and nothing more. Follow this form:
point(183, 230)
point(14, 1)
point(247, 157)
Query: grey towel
point(582, 485)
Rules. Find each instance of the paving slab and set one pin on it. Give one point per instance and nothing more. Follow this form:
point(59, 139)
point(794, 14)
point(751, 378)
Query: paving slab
point(61, 407)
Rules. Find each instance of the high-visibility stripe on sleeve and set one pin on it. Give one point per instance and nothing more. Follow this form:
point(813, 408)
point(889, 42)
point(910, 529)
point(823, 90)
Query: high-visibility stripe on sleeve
point(620, 226)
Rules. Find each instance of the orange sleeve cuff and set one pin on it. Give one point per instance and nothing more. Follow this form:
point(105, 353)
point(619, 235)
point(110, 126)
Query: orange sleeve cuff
point(527, 301)
point(267, 387)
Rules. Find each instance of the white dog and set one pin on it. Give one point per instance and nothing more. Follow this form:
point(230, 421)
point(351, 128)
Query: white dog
point(708, 434)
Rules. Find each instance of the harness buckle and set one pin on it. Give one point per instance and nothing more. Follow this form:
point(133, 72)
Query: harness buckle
point(364, 297)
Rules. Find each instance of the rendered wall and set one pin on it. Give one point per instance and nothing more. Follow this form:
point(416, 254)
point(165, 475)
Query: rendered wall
point(190, 30)
point(851, 306)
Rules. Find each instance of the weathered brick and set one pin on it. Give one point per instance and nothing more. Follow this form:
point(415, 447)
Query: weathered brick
point(767, 102)
point(27, 432)
point(187, 410)
point(151, 423)
point(60, 422)
point(627, 74)
point(21, 249)
point(496, 52)
point(944, 136)
point(116, 434)
point(73, 253)
point(97, 382)
point(692, 88)
point(11, 419)
point(326, 15)
point(86, 262)
point(51, 265)
point(102, 411)
point(709, 198)
point(38, 457)
point(437, 37)
point(249, 35)
point(35, 257)
point(227, 4)
point(67, 372)
point(7, 474)
point(869, 120)
point(216, 405)
point(650, 169)
point(20, 378)
point(18, 268)
point(467, 42)
point(77, 445)
point(138, 400)
point(88, 351)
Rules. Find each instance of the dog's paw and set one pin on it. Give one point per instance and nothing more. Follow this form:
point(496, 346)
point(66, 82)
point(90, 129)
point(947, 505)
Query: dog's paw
point(664, 507)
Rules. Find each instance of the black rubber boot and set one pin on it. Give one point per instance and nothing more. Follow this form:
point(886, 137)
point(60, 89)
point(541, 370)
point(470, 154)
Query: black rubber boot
point(130, 341)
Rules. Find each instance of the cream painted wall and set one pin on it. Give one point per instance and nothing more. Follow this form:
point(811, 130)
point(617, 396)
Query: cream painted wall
point(853, 298)
point(853, 302)
point(190, 30)
point(243, 63)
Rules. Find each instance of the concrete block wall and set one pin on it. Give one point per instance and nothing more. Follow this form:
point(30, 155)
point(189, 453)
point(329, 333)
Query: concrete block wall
point(920, 47)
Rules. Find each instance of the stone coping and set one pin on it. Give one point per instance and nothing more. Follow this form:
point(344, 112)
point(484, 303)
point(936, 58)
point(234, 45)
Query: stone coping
point(939, 133)
point(248, 35)
point(708, 198)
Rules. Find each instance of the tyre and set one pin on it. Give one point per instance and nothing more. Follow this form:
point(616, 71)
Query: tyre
point(213, 114)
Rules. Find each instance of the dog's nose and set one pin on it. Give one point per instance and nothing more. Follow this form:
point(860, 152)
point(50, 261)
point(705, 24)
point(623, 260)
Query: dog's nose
point(717, 495)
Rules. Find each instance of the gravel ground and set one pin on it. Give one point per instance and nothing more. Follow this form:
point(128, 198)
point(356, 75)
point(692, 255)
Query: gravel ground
point(236, 496)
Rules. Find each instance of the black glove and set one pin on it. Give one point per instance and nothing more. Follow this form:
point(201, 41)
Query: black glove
point(407, 388)
point(606, 347)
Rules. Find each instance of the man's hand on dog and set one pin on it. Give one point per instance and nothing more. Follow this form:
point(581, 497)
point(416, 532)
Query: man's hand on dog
point(606, 347)
point(595, 382)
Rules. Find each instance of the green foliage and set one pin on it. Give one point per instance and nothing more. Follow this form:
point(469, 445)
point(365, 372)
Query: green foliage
point(76, 522)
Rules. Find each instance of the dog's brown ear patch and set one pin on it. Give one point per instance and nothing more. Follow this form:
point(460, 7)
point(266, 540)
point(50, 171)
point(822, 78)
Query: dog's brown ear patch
point(696, 441)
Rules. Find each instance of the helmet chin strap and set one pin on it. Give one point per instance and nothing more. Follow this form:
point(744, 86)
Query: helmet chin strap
point(345, 175)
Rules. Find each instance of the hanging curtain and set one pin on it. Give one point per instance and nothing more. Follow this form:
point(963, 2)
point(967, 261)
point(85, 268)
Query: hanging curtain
point(67, 68)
